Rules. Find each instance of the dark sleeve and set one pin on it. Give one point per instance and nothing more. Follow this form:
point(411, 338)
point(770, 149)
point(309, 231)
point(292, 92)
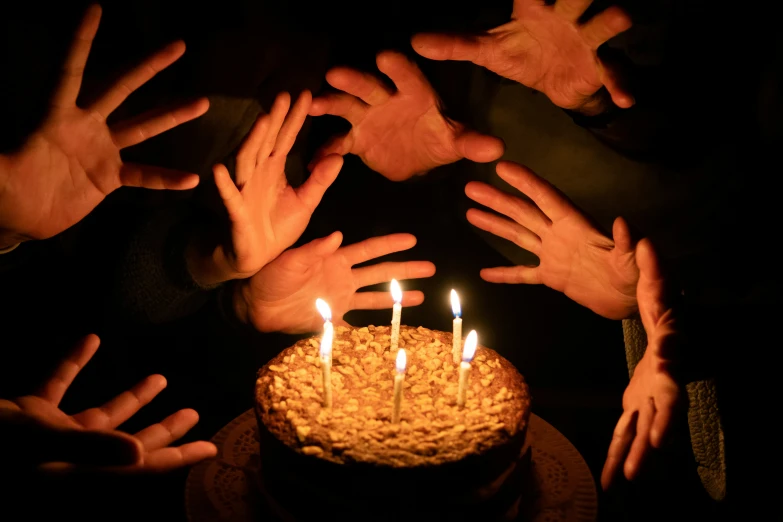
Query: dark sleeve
point(699, 90)
point(153, 284)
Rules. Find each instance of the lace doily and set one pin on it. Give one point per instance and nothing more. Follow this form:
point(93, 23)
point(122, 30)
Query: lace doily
point(224, 489)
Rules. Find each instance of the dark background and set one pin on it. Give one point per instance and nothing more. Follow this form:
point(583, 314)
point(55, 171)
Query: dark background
point(60, 289)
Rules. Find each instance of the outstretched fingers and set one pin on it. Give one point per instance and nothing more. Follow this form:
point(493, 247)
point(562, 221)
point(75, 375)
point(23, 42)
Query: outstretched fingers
point(571, 10)
point(640, 447)
point(553, 203)
point(166, 459)
point(476, 49)
point(505, 228)
point(665, 407)
point(137, 77)
point(158, 178)
point(321, 178)
point(384, 272)
point(276, 117)
point(340, 104)
point(123, 406)
point(291, 126)
point(132, 132)
point(521, 211)
point(605, 25)
point(514, 275)
point(623, 436)
point(383, 300)
point(54, 389)
point(375, 247)
point(478, 147)
point(364, 86)
point(170, 429)
point(73, 70)
point(307, 255)
point(238, 212)
point(405, 74)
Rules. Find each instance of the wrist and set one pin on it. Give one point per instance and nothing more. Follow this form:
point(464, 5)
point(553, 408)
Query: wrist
point(204, 260)
point(597, 104)
point(239, 302)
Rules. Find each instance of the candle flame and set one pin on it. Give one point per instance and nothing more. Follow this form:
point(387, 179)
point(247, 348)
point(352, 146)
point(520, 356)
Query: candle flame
point(402, 360)
point(455, 307)
point(469, 350)
point(323, 309)
point(326, 342)
point(396, 291)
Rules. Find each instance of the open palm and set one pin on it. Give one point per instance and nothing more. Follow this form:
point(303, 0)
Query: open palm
point(544, 47)
point(67, 166)
point(281, 297)
point(653, 395)
point(401, 133)
point(575, 258)
point(266, 214)
point(44, 434)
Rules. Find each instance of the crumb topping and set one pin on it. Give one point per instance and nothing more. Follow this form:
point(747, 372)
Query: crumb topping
point(433, 429)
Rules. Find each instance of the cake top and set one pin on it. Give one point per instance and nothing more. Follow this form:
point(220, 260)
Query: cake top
point(433, 430)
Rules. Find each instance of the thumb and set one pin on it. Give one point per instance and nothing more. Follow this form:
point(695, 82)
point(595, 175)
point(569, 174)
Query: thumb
point(324, 173)
point(478, 147)
point(621, 233)
point(317, 249)
point(441, 47)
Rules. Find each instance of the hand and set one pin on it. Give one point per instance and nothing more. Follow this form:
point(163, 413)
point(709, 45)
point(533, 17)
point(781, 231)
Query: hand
point(545, 48)
point(653, 396)
point(36, 432)
point(281, 297)
point(267, 214)
point(66, 168)
point(575, 258)
point(398, 134)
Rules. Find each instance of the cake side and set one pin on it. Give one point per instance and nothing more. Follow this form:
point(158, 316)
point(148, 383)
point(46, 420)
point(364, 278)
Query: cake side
point(357, 430)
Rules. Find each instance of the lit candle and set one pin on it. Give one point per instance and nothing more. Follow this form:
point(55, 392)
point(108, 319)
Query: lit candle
point(398, 379)
point(324, 310)
point(464, 368)
point(396, 293)
point(456, 342)
point(326, 363)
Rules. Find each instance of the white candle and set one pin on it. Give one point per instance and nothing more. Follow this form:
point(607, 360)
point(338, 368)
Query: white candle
point(326, 364)
point(456, 344)
point(396, 293)
point(398, 380)
point(471, 341)
point(325, 311)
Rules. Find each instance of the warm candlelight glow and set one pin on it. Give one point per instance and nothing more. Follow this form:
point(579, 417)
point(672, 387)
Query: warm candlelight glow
point(401, 361)
point(323, 309)
point(326, 363)
point(398, 380)
point(456, 336)
point(396, 291)
point(471, 341)
point(326, 343)
point(455, 308)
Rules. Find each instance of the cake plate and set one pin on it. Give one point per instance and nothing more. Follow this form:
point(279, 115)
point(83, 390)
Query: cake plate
point(225, 488)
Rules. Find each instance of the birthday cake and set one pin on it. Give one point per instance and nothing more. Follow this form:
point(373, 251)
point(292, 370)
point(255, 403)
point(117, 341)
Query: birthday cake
point(351, 462)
